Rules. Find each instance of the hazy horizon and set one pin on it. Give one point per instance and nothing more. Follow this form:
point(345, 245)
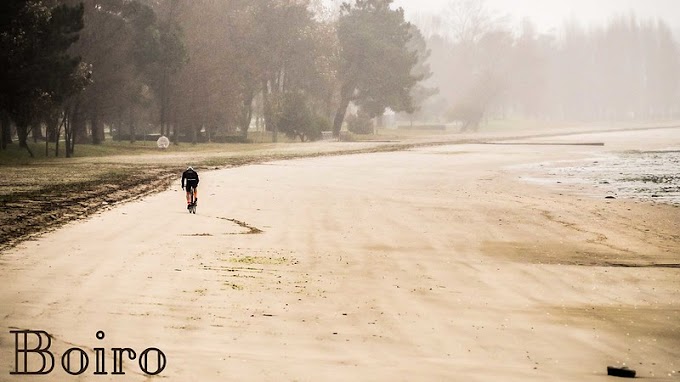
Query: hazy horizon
point(550, 15)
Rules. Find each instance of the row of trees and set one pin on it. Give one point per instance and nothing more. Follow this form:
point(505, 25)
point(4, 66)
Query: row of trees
point(72, 66)
point(195, 68)
point(626, 69)
point(183, 68)
point(35, 71)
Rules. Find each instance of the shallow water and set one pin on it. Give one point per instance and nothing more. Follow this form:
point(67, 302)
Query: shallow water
point(643, 175)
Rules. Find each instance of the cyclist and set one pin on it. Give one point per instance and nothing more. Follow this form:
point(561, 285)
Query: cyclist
point(191, 178)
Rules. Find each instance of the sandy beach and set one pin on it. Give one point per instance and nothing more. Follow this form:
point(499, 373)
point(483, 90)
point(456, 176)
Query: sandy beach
point(431, 264)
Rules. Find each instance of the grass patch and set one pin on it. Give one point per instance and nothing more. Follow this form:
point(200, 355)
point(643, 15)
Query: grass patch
point(16, 155)
point(21, 182)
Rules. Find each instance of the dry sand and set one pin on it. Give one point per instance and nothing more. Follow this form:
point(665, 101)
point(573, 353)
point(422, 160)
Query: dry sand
point(429, 264)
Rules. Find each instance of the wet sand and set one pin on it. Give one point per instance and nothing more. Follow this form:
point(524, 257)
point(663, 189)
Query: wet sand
point(429, 264)
point(623, 171)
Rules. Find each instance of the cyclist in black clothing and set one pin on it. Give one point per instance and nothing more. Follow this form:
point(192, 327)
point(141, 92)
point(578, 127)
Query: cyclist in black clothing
point(191, 178)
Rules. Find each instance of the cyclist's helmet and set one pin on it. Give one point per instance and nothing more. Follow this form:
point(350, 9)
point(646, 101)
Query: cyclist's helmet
point(190, 168)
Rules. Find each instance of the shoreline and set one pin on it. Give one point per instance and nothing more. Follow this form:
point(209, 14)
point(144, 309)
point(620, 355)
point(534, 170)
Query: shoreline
point(30, 214)
point(645, 176)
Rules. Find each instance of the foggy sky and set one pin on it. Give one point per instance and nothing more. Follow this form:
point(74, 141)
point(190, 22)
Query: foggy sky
point(551, 14)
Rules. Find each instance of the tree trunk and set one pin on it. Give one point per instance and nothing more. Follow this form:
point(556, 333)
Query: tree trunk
point(23, 140)
point(133, 130)
point(119, 123)
point(164, 103)
point(340, 116)
point(22, 120)
point(345, 97)
point(6, 133)
point(97, 127)
point(175, 133)
point(52, 124)
point(68, 136)
point(68, 133)
point(247, 114)
point(328, 113)
point(246, 124)
point(22, 134)
point(63, 123)
point(268, 122)
point(36, 132)
point(78, 126)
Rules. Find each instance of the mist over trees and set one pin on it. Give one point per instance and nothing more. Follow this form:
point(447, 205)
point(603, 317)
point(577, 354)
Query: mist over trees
point(198, 70)
point(202, 70)
point(627, 69)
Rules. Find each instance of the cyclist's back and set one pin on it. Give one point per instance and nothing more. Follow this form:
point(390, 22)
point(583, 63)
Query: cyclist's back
point(190, 178)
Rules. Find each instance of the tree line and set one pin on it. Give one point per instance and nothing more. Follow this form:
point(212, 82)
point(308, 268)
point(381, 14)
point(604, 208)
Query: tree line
point(626, 69)
point(199, 69)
